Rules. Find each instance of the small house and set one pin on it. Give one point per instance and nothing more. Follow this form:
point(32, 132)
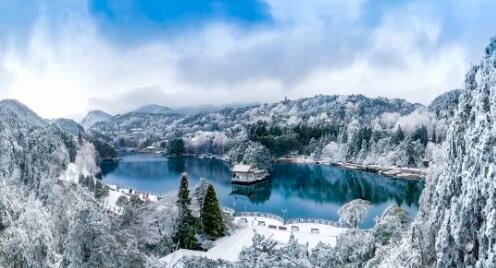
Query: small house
point(247, 174)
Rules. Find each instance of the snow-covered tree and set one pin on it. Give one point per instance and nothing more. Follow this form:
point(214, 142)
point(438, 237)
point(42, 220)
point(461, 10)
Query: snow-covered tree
point(89, 242)
point(28, 242)
point(251, 153)
point(211, 214)
point(353, 213)
point(201, 190)
point(188, 225)
point(390, 226)
point(353, 249)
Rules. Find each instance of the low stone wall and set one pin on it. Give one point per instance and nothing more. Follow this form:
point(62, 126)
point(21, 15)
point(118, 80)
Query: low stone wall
point(311, 220)
point(259, 214)
point(286, 222)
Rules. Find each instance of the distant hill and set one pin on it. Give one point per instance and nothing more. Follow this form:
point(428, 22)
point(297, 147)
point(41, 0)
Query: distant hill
point(21, 112)
point(352, 128)
point(70, 125)
point(445, 104)
point(154, 109)
point(210, 108)
point(94, 117)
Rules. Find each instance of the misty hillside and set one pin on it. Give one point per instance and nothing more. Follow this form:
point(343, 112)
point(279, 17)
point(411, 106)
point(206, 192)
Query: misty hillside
point(94, 117)
point(52, 206)
point(337, 128)
point(153, 109)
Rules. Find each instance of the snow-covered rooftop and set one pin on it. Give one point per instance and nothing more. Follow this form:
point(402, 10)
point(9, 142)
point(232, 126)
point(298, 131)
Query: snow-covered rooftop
point(241, 168)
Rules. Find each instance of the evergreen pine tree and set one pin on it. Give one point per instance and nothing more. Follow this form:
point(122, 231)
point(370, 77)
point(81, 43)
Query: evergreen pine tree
point(343, 136)
point(439, 139)
point(184, 201)
point(188, 224)
point(185, 235)
point(175, 147)
point(399, 136)
point(421, 135)
point(410, 152)
point(211, 215)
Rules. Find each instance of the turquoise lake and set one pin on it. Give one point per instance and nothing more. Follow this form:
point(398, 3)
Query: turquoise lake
point(302, 190)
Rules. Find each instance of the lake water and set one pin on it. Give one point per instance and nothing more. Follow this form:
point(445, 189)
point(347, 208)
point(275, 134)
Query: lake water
point(304, 190)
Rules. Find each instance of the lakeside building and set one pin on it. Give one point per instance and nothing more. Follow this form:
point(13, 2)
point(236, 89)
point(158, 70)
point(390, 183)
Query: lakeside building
point(242, 173)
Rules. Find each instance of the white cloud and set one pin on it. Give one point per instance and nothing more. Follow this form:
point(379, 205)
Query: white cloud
point(311, 48)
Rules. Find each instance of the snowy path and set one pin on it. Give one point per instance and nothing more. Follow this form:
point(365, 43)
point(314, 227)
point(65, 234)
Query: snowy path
point(228, 248)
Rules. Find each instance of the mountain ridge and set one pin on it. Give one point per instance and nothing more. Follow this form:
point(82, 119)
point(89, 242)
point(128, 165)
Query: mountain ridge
point(153, 109)
point(93, 117)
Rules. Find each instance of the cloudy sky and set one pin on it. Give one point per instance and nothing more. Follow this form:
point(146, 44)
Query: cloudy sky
point(65, 57)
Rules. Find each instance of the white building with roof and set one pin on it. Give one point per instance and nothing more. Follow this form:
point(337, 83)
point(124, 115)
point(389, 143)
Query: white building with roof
point(242, 173)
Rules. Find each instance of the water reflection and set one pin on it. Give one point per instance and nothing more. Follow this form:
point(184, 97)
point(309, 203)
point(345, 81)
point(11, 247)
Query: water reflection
point(305, 190)
point(110, 166)
point(332, 184)
point(257, 193)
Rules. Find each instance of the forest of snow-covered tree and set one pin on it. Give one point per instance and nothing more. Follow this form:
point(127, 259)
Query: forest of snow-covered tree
point(333, 128)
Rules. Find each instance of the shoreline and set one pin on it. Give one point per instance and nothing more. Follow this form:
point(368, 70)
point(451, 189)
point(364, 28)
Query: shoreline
point(395, 172)
point(404, 173)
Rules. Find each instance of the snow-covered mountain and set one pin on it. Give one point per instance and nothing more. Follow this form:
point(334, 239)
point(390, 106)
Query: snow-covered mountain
point(337, 128)
point(52, 207)
point(32, 149)
point(94, 117)
point(70, 125)
point(35, 154)
point(192, 110)
point(445, 105)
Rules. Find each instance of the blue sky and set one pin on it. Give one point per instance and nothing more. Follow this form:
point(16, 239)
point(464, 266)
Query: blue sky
point(116, 55)
point(140, 21)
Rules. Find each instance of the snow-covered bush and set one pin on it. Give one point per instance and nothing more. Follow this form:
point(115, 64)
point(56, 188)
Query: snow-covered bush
point(352, 213)
point(353, 249)
point(390, 226)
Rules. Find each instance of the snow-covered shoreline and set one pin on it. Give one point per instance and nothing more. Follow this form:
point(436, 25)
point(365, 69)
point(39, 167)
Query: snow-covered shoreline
point(392, 171)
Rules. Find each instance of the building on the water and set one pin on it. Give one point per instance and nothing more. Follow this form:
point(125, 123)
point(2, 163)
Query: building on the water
point(247, 174)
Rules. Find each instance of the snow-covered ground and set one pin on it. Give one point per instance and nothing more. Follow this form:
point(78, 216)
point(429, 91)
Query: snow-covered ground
point(115, 193)
point(302, 231)
point(229, 247)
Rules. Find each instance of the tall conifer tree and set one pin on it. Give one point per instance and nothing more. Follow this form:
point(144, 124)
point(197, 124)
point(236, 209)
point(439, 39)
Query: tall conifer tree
point(188, 225)
point(211, 214)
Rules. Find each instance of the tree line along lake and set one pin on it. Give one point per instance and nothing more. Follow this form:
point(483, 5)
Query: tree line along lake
point(294, 190)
